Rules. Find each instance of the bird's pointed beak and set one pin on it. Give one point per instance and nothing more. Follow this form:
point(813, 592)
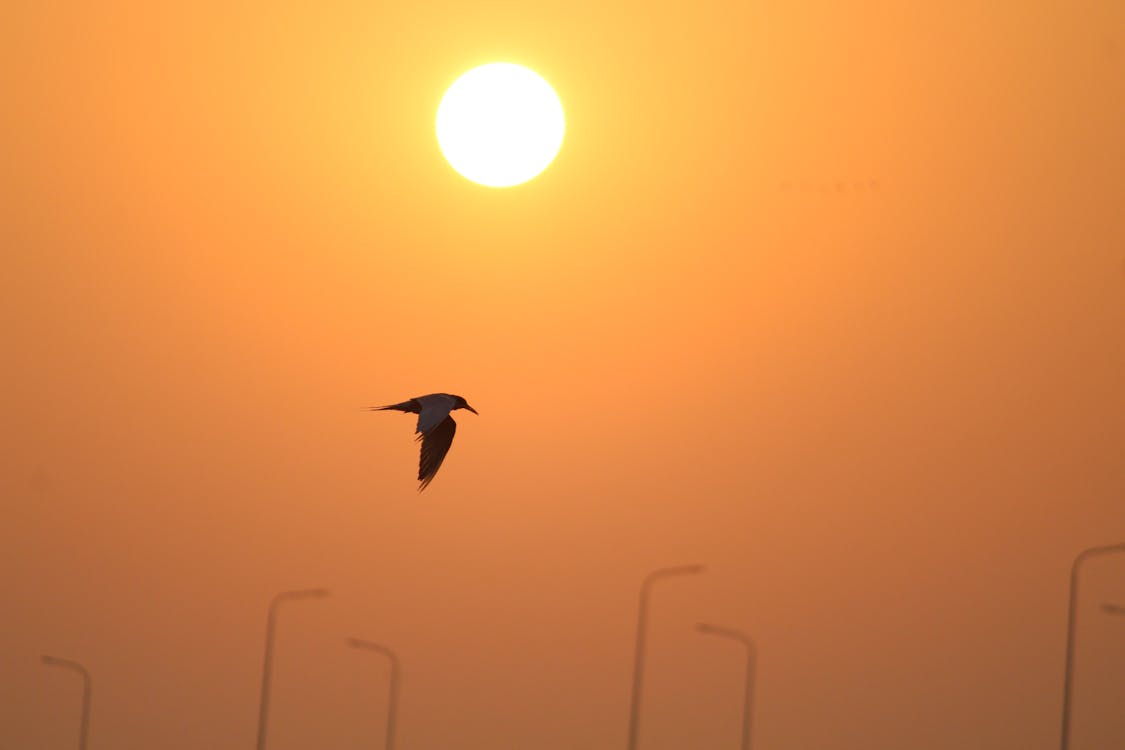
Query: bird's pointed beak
point(474, 411)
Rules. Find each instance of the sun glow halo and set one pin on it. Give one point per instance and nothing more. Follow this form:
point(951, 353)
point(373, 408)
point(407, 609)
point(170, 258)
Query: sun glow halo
point(500, 124)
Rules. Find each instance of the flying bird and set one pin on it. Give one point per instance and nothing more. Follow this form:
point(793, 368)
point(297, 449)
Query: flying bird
point(435, 428)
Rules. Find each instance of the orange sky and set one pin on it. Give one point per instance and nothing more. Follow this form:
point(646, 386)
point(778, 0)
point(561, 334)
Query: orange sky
point(828, 296)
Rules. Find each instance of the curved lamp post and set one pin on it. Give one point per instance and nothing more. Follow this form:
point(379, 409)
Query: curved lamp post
point(751, 655)
point(639, 656)
point(267, 667)
point(392, 698)
point(87, 693)
point(1072, 616)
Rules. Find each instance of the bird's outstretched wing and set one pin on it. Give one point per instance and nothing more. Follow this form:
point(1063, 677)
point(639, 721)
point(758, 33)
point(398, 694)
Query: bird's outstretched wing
point(435, 444)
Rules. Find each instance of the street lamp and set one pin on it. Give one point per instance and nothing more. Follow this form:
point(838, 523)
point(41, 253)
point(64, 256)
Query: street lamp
point(392, 698)
point(87, 692)
point(1072, 617)
point(267, 667)
point(751, 654)
point(1113, 609)
point(639, 656)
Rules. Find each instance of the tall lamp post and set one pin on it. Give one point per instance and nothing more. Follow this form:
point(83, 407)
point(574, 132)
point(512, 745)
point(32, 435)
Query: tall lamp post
point(642, 626)
point(87, 693)
point(751, 654)
point(267, 667)
point(392, 698)
point(1072, 617)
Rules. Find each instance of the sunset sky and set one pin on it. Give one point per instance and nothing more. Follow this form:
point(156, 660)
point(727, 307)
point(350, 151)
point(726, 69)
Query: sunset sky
point(829, 296)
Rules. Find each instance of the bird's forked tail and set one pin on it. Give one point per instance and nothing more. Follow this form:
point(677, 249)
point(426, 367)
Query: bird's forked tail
point(408, 406)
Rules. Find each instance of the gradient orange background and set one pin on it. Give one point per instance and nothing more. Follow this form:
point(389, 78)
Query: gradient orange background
point(828, 296)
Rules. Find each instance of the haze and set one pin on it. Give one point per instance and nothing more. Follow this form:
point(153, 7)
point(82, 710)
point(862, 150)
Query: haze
point(827, 296)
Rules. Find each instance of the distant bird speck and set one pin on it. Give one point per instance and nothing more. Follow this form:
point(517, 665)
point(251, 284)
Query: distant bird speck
point(435, 428)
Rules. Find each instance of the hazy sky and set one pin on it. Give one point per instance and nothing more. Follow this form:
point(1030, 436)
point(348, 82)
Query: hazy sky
point(827, 296)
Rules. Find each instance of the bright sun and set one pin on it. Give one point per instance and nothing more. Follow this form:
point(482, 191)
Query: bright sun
point(500, 124)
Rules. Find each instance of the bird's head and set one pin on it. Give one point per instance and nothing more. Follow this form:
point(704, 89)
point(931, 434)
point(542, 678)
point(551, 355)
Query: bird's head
point(463, 404)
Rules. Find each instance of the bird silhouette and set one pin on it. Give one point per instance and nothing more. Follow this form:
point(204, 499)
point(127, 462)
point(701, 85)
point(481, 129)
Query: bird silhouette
point(435, 428)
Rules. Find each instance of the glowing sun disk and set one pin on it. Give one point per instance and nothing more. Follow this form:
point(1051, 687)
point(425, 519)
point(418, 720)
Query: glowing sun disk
point(500, 124)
